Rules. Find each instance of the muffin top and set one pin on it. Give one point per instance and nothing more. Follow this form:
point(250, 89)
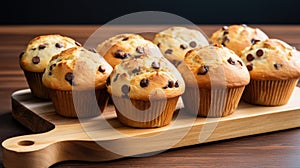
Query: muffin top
point(40, 50)
point(238, 37)
point(272, 59)
point(122, 46)
point(76, 68)
point(146, 77)
point(174, 42)
point(214, 65)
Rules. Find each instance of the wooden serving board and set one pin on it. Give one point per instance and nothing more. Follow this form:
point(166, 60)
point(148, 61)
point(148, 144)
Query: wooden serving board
point(103, 138)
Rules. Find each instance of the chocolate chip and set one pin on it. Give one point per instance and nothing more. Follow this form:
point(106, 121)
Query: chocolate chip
point(116, 78)
point(108, 81)
point(170, 83)
point(225, 40)
point(139, 50)
point(42, 46)
point(193, 44)
point(58, 45)
point(230, 61)
point(125, 89)
point(93, 50)
point(203, 70)
point(33, 49)
point(125, 38)
point(225, 33)
point(21, 55)
point(183, 46)
point(259, 52)
point(158, 45)
point(224, 27)
point(169, 51)
point(250, 57)
point(50, 73)
point(77, 43)
point(155, 65)
point(126, 55)
point(253, 41)
point(120, 54)
point(240, 62)
point(277, 66)
point(144, 82)
point(176, 84)
point(101, 69)
point(136, 70)
point(36, 60)
point(52, 66)
point(250, 67)
point(165, 87)
point(69, 77)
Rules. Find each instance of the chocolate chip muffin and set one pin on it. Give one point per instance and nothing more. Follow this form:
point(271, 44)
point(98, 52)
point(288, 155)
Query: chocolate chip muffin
point(215, 78)
point(274, 68)
point(37, 56)
point(238, 37)
point(175, 42)
point(76, 79)
point(145, 91)
point(122, 46)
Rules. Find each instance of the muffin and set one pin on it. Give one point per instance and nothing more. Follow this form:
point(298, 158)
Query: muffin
point(145, 91)
point(274, 68)
point(237, 37)
point(215, 78)
point(76, 79)
point(175, 42)
point(37, 56)
point(122, 46)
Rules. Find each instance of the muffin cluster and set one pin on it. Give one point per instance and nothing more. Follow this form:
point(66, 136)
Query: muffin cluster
point(145, 79)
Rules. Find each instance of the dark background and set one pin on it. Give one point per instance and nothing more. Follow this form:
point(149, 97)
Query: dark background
point(197, 11)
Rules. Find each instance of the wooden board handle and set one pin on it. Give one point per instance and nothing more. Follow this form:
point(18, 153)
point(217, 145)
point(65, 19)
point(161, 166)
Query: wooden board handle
point(45, 149)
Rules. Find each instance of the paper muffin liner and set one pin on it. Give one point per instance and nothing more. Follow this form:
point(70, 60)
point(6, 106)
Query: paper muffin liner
point(212, 102)
point(145, 114)
point(63, 102)
point(34, 80)
point(269, 92)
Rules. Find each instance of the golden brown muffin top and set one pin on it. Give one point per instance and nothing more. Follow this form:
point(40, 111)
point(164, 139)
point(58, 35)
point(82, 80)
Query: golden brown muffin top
point(144, 77)
point(122, 46)
point(214, 65)
point(272, 59)
point(175, 42)
point(40, 50)
point(238, 37)
point(76, 68)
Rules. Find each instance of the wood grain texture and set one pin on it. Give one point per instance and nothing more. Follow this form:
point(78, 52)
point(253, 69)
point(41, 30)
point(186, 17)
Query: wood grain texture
point(70, 139)
point(280, 149)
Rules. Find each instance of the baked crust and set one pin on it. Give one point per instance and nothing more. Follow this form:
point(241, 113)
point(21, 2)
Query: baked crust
point(214, 66)
point(76, 68)
point(272, 59)
point(175, 42)
point(237, 37)
point(40, 50)
point(146, 77)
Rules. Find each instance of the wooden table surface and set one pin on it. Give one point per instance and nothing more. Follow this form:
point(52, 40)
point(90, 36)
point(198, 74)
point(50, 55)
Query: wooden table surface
point(278, 149)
